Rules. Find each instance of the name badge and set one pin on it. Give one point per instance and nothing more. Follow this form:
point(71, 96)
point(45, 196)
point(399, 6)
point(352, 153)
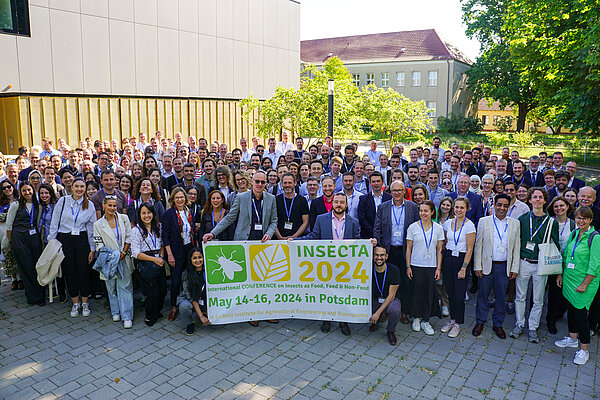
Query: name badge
point(288, 225)
point(32, 231)
point(500, 249)
point(381, 300)
point(397, 234)
point(258, 227)
point(571, 265)
point(530, 246)
point(427, 257)
point(201, 302)
point(455, 253)
point(75, 232)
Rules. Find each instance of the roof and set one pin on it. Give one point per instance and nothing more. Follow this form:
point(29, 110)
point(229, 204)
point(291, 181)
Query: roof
point(483, 105)
point(421, 45)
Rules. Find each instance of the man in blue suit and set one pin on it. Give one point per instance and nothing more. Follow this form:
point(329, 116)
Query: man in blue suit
point(369, 203)
point(575, 183)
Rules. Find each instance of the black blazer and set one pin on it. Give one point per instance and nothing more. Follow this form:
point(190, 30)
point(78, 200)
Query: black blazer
point(171, 234)
point(366, 213)
point(578, 184)
point(382, 231)
point(538, 180)
point(317, 207)
point(206, 225)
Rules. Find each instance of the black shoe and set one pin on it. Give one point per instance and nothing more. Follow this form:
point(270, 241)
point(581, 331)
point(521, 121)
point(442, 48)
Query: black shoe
point(41, 303)
point(325, 326)
point(160, 315)
point(510, 308)
point(373, 328)
point(151, 323)
point(345, 328)
point(474, 287)
point(492, 303)
point(189, 330)
point(392, 338)
point(552, 327)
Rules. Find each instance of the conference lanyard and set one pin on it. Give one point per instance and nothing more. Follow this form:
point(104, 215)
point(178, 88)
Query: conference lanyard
point(213, 217)
point(531, 232)
point(461, 228)
point(73, 214)
point(576, 243)
point(259, 216)
point(564, 226)
point(117, 228)
point(30, 215)
point(154, 240)
point(382, 288)
point(497, 230)
point(288, 213)
point(337, 234)
point(397, 220)
point(427, 245)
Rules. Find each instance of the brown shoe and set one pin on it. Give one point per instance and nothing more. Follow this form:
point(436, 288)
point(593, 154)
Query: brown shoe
point(273, 321)
point(404, 318)
point(392, 338)
point(253, 323)
point(14, 285)
point(477, 329)
point(20, 285)
point(499, 332)
point(172, 315)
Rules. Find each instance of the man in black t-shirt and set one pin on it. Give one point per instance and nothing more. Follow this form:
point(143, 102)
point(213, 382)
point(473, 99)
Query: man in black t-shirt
point(292, 210)
point(386, 279)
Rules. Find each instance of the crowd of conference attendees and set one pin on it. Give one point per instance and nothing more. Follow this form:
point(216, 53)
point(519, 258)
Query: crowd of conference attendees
point(445, 225)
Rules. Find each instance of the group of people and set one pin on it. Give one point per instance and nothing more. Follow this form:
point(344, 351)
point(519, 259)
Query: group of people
point(439, 221)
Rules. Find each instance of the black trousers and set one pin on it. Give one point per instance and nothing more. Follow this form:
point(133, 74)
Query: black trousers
point(27, 250)
point(176, 272)
point(455, 288)
point(578, 323)
point(557, 304)
point(594, 314)
point(398, 258)
point(423, 295)
point(75, 266)
point(153, 282)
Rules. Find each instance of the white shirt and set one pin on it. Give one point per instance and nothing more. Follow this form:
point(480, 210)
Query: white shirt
point(283, 147)
point(187, 229)
point(140, 244)
point(564, 231)
point(421, 255)
point(460, 243)
point(353, 203)
point(247, 154)
point(377, 200)
point(517, 209)
point(273, 156)
point(500, 245)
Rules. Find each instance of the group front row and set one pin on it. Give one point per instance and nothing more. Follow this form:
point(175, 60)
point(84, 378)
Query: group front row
point(415, 259)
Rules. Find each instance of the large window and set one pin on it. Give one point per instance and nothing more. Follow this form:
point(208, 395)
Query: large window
point(385, 79)
point(431, 106)
point(370, 78)
point(485, 120)
point(399, 78)
point(14, 17)
point(356, 80)
point(432, 78)
point(416, 78)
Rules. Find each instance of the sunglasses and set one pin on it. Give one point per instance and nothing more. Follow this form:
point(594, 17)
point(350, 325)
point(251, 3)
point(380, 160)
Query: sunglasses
point(6, 187)
point(260, 182)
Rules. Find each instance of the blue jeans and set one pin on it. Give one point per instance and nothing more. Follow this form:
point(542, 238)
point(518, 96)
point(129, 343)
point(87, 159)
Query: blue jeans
point(499, 281)
point(120, 296)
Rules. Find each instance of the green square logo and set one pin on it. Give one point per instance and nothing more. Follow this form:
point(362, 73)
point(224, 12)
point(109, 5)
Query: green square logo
point(225, 264)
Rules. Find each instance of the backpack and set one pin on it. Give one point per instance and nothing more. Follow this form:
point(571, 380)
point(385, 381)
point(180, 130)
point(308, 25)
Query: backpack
point(590, 238)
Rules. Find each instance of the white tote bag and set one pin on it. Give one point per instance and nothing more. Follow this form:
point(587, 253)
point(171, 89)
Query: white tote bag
point(549, 257)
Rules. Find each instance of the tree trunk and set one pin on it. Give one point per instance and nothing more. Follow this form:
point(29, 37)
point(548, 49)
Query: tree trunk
point(523, 110)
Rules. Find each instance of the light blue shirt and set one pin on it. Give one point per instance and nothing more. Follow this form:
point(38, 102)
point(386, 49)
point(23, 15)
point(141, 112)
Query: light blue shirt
point(361, 186)
point(398, 217)
point(353, 203)
point(373, 156)
point(304, 192)
point(436, 195)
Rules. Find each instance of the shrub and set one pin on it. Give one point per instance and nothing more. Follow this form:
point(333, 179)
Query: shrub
point(458, 124)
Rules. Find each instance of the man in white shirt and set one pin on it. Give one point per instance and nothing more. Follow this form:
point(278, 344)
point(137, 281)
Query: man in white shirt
point(373, 153)
point(516, 208)
point(352, 195)
point(436, 146)
point(141, 145)
point(284, 145)
point(272, 152)
point(246, 152)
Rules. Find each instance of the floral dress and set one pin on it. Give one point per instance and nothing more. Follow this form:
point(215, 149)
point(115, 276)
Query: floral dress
point(8, 261)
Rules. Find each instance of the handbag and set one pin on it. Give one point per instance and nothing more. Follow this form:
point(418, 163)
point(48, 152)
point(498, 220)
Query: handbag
point(549, 256)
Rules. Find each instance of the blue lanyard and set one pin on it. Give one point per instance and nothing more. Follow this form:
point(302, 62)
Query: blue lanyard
point(256, 211)
point(30, 215)
point(212, 215)
point(427, 245)
point(336, 231)
point(117, 228)
point(207, 186)
point(564, 226)
point(288, 213)
point(454, 233)
point(497, 230)
point(154, 240)
point(576, 243)
point(397, 220)
point(434, 192)
point(531, 232)
point(176, 180)
point(73, 213)
point(512, 209)
point(382, 288)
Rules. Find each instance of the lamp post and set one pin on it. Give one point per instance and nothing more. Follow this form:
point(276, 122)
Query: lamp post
point(330, 90)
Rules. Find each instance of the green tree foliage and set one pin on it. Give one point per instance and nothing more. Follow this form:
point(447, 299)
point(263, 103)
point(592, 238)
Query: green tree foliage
point(494, 76)
point(459, 124)
point(304, 112)
point(556, 45)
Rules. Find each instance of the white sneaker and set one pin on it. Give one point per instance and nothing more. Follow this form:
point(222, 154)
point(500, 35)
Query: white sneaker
point(127, 324)
point(416, 325)
point(446, 328)
point(581, 357)
point(455, 331)
point(85, 310)
point(426, 326)
point(445, 311)
point(467, 297)
point(116, 318)
point(567, 342)
point(74, 310)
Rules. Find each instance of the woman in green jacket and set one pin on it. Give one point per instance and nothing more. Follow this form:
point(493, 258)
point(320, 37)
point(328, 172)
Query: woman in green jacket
point(579, 283)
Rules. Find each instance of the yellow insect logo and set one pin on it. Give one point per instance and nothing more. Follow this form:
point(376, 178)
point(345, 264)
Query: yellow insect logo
point(270, 262)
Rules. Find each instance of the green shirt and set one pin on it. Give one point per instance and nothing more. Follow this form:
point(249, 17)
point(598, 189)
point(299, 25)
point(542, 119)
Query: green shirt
point(587, 262)
point(537, 237)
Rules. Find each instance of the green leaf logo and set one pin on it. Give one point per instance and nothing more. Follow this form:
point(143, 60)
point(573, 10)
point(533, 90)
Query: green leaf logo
point(225, 264)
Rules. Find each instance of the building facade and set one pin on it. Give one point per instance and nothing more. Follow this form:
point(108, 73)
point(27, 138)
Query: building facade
point(418, 64)
point(112, 68)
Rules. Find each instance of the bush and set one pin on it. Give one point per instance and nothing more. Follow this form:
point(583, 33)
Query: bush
point(522, 139)
point(458, 124)
point(498, 138)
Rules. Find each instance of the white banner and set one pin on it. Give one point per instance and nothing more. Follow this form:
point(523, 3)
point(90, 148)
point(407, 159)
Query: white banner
point(306, 279)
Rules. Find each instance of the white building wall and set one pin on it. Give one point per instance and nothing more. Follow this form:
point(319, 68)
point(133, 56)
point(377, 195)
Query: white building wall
point(177, 48)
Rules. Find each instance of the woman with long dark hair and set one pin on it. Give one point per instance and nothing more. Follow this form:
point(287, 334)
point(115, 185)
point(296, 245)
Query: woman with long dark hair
point(149, 163)
point(223, 181)
point(144, 191)
point(192, 299)
point(161, 183)
point(22, 223)
point(47, 199)
point(214, 211)
point(8, 194)
point(126, 186)
point(147, 249)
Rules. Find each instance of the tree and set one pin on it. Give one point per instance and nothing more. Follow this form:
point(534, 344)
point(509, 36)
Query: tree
point(555, 45)
point(494, 76)
point(459, 124)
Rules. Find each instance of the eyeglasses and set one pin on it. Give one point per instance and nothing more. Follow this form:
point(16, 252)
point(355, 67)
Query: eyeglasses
point(580, 218)
point(260, 182)
point(509, 189)
point(6, 187)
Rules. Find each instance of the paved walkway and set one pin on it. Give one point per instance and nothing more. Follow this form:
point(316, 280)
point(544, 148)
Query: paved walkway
point(45, 354)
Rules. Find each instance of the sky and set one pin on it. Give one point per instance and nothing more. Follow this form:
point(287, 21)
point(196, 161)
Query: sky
point(332, 18)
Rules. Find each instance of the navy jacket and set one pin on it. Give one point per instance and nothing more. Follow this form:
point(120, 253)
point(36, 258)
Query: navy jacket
point(366, 213)
point(324, 231)
point(539, 179)
point(476, 203)
point(171, 234)
point(383, 221)
point(317, 207)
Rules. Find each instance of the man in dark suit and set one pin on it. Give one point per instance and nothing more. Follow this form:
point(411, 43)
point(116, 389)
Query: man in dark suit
point(574, 183)
point(391, 223)
point(518, 176)
point(322, 204)
point(534, 173)
point(188, 180)
point(369, 203)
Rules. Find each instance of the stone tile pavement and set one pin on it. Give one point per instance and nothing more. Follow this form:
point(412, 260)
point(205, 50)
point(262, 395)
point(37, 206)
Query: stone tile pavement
point(45, 354)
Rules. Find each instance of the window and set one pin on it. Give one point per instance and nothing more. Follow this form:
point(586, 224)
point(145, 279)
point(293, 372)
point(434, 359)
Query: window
point(431, 105)
point(485, 120)
point(399, 78)
point(14, 17)
point(432, 78)
point(496, 119)
point(370, 78)
point(356, 80)
point(385, 79)
point(416, 78)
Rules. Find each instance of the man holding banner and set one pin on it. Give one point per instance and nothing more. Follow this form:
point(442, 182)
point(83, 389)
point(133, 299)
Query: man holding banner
point(384, 301)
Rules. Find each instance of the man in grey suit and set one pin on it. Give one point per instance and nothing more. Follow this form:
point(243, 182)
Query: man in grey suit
point(254, 213)
point(391, 223)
